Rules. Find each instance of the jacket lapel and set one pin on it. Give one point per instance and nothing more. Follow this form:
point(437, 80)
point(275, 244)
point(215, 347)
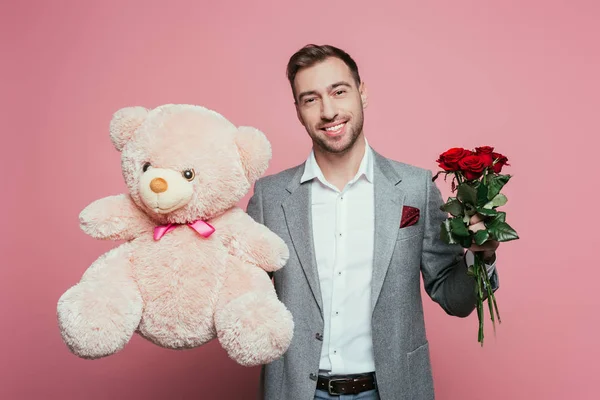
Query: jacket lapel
point(389, 200)
point(298, 215)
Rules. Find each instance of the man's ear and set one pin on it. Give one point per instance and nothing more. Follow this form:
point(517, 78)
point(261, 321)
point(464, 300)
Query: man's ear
point(124, 123)
point(363, 95)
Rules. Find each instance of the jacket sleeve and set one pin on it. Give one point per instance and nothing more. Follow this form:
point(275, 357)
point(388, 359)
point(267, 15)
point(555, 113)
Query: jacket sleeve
point(255, 208)
point(442, 265)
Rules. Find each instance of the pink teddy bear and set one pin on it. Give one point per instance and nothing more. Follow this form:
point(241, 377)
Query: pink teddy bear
point(192, 267)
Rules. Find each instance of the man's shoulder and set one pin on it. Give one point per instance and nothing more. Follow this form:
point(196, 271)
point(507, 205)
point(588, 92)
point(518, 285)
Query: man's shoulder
point(409, 169)
point(280, 179)
point(405, 170)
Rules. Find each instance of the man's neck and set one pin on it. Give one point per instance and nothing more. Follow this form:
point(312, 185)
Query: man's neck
point(339, 169)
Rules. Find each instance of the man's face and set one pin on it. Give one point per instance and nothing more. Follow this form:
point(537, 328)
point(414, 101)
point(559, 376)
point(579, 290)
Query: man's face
point(330, 105)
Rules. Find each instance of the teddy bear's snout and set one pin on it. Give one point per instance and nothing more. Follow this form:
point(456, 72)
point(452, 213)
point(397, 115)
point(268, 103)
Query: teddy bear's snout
point(158, 185)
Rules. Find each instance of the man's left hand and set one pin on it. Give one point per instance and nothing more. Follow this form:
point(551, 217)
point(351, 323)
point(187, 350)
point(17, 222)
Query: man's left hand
point(488, 247)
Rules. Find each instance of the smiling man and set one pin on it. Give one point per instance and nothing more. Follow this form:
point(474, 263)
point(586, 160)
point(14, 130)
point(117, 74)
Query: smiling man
point(362, 229)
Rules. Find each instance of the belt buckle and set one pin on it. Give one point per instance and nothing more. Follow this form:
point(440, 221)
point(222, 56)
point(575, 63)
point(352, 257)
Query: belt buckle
point(330, 388)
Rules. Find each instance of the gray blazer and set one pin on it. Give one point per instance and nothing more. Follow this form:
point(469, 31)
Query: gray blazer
point(401, 255)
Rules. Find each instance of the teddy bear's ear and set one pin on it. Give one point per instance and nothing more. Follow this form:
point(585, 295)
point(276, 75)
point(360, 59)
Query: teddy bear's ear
point(124, 122)
point(255, 151)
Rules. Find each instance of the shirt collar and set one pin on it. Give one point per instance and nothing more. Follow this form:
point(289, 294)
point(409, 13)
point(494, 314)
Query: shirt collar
point(312, 170)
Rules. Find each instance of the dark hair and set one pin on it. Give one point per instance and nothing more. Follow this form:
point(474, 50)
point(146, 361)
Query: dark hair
point(312, 54)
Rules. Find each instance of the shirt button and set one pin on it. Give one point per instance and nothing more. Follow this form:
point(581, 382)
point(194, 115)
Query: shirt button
point(336, 313)
point(319, 336)
point(335, 352)
point(340, 273)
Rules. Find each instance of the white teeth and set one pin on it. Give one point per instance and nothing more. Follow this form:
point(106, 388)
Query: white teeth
point(334, 128)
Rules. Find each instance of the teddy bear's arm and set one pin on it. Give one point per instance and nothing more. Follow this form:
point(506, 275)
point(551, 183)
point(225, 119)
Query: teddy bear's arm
point(114, 218)
point(252, 242)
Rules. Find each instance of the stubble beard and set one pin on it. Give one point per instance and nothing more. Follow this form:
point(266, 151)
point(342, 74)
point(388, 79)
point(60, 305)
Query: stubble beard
point(353, 133)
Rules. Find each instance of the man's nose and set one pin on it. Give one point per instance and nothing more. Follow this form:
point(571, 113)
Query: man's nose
point(328, 111)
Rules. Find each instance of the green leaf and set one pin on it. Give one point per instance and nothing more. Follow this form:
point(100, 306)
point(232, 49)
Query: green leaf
point(481, 236)
point(502, 232)
point(467, 194)
point(487, 212)
point(496, 182)
point(446, 233)
point(458, 227)
point(465, 241)
point(482, 194)
point(498, 201)
point(470, 210)
point(495, 220)
point(454, 207)
point(501, 216)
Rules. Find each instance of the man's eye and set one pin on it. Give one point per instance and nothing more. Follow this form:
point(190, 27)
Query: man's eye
point(340, 92)
point(306, 101)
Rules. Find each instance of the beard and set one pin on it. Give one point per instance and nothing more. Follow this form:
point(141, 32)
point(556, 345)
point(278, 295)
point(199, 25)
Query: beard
point(332, 145)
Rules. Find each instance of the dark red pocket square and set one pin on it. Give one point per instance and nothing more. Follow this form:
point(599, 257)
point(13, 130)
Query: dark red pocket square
point(410, 216)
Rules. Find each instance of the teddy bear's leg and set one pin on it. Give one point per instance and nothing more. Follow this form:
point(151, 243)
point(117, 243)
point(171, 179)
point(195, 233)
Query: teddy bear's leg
point(99, 315)
point(253, 326)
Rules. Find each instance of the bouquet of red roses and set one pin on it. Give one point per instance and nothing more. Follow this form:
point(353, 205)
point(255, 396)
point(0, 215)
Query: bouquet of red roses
point(477, 182)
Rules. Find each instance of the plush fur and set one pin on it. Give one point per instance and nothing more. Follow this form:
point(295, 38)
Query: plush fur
point(181, 163)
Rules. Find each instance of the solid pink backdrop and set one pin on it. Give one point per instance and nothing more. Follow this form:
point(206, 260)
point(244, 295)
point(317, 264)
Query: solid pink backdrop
point(521, 76)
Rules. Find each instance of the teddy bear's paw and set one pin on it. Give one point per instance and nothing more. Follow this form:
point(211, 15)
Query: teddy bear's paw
point(177, 326)
point(278, 257)
point(283, 256)
point(254, 329)
point(114, 218)
point(97, 319)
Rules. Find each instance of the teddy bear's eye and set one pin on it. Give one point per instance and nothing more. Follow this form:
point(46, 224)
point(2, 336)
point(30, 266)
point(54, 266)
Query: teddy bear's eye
point(145, 167)
point(188, 174)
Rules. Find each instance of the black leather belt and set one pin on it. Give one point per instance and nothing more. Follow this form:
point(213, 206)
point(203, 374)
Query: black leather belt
point(346, 384)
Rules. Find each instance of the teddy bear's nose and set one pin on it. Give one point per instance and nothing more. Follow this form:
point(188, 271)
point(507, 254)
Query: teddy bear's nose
point(158, 185)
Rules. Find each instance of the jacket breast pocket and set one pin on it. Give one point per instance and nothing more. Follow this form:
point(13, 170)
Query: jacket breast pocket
point(409, 232)
point(420, 374)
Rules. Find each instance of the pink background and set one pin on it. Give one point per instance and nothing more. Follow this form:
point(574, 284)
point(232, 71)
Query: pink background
point(519, 75)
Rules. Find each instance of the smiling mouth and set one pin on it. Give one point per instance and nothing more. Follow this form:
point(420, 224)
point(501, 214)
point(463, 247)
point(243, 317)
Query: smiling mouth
point(333, 130)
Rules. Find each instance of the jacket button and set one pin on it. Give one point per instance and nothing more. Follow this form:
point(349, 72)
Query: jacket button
point(319, 336)
point(313, 377)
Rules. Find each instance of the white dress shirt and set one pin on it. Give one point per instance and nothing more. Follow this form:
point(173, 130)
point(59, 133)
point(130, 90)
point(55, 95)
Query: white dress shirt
point(343, 226)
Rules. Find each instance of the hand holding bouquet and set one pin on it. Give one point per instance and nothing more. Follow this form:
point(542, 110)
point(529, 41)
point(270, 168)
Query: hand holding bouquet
point(477, 181)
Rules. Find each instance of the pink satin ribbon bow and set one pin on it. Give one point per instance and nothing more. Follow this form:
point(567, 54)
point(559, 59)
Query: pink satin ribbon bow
point(203, 228)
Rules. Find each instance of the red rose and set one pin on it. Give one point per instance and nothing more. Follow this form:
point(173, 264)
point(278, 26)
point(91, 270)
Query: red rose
point(502, 161)
point(485, 153)
point(472, 166)
point(449, 159)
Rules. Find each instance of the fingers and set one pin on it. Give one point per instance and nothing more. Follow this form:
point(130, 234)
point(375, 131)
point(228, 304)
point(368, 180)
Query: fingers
point(475, 218)
point(476, 247)
point(476, 223)
point(477, 227)
point(490, 245)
